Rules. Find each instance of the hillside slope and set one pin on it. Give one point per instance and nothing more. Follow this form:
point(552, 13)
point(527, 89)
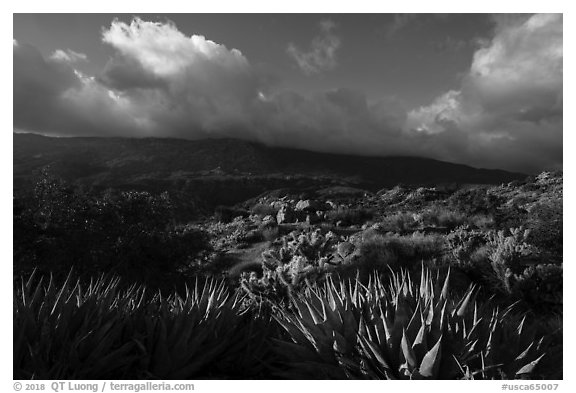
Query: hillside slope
point(225, 171)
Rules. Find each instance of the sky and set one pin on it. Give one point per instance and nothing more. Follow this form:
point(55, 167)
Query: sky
point(478, 89)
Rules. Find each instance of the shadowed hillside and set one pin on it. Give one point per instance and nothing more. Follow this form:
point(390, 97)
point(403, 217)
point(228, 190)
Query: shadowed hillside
point(225, 170)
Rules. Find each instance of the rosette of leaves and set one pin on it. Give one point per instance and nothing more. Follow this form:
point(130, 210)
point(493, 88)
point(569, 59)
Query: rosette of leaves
point(99, 331)
point(71, 331)
point(402, 330)
point(204, 334)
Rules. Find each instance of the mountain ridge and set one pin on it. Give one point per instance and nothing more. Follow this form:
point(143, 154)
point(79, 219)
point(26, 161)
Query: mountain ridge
point(179, 165)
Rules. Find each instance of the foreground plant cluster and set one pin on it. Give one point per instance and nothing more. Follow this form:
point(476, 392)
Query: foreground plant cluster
point(340, 283)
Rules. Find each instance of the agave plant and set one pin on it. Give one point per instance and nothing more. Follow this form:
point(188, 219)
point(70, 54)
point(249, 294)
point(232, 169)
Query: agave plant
point(76, 331)
point(403, 330)
point(70, 331)
point(205, 333)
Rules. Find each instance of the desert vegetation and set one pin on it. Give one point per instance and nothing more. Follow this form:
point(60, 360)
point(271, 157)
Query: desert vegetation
point(410, 282)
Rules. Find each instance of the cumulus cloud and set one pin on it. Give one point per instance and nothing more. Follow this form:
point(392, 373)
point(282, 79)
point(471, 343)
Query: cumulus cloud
point(435, 118)
point(181, 82)
point(321, 56)
point(164, 51)
point(507, 113)
point(522, 67)
point(69, 56)
point(510, 102)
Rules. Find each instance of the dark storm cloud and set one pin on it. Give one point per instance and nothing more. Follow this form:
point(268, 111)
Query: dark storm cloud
point(159, 82)
point(50, 96)
point(38, 84)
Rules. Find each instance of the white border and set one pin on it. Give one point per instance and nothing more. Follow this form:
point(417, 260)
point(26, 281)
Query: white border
point(291, 6)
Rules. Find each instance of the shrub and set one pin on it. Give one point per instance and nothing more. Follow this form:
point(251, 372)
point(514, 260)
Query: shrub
point(507, 255)
point(347, 216)
point(482, 221)
point(398, 222)
point(229, 235)
point(269, 230)
point(541, 286)
point(226, 214)
point(263, 210)
point(130, 233)
point(462, 243)
point(506, 264)
point(398, 251)
point(475, 201)
point(252, 236)
point(545, 224)
point(270, 233)
point(443, 217)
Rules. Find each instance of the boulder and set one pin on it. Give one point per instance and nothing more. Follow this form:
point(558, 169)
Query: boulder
point(303, 205)
point(278, 204)
point(311, 206)
point(286, 215)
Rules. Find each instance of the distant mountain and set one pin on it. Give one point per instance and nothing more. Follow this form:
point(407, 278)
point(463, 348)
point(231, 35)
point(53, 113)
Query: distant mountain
point(224, 171)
